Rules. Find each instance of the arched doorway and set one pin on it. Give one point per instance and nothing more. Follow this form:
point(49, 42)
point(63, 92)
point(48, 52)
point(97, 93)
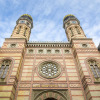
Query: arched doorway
point(50, 99)
point(50, 95)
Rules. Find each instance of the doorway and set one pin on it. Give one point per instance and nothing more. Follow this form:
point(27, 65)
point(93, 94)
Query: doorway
point(50, 99)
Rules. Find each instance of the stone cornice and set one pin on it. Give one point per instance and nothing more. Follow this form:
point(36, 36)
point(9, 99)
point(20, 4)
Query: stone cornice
point(49, 44)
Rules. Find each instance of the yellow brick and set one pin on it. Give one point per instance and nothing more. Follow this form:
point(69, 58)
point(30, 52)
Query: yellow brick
point(27, 74)
point(78, 98)
point(5, 99)
point(27, 70)
point(95, 93)
point(73, 79)
point(17, 61)
point(70, 66)
point(96, 98)
point(63, 74)
point(28, 63)
point(85, 73)
point(30, 60)
point(26, 78)
point(23, 92)
point(70, 63)
point(94, 87)
point(76, 92)
point(15, 69)
point(5, 94)
point(71, 70)
point(72, 74)
point(62, 79)
point(28, 66)
point(37, 79)
point(6, 88)
point(13, 73)
point(22, 98)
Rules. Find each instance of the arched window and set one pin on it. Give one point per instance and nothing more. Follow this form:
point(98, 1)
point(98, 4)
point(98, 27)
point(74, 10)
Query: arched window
point(71, 31)
point(78, 31)
point(4, 68)
point(19, 30)
point(25, 31)
point(94, 68)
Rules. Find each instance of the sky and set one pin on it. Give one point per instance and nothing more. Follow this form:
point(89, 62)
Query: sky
point(48, 18)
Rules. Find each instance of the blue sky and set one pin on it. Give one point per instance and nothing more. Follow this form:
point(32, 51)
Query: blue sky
point(48, 18)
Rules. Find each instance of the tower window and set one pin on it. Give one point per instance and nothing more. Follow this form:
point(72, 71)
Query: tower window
point(48, 51)
point(94, 68)
point(78, 31)
point(84, 45)
point(27, 23)
point(74, 22)
point(22, 21)
point(25, 31)
point(13, 45)
point(40, 51)
point(68, 23)
point(57, 51)
point(4, 68)
point(71, 32)
point(19, 30)
point(67, 51)
point(31, 51)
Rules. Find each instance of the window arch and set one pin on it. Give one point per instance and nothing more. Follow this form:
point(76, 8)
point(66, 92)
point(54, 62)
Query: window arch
point(4, 68)
point(19, 28)
point(94, 68)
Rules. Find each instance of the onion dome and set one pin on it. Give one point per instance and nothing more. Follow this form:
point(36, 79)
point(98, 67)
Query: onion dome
point(69, 17)
point(26, 17)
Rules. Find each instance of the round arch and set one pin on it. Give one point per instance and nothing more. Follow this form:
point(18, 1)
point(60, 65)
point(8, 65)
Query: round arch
point(50, 95)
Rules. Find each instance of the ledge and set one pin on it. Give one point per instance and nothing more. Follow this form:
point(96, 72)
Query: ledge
point(49, 44)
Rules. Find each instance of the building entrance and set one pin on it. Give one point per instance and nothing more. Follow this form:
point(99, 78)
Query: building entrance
point(50, 95)
point(50, 99)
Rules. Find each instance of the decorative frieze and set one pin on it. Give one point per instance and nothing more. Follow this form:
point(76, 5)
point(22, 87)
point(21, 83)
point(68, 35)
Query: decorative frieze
point(49, 44)
point(10, 50)
point(50, 85)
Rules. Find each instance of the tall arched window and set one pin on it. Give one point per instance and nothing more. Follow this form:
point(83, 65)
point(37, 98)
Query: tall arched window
point(94, 68)
point(25, 31)
point(71, 31)
point(4, 68)
point(19, 30)
point(78, 31)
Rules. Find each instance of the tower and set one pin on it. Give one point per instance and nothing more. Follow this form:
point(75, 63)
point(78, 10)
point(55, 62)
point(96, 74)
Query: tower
point(72, 27)
point(23, 27)
point(86, 55)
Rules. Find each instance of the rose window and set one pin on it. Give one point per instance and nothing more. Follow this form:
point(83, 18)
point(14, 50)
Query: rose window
point(49, 70)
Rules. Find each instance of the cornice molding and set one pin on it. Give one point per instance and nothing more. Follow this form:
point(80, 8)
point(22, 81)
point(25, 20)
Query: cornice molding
point(49, 44)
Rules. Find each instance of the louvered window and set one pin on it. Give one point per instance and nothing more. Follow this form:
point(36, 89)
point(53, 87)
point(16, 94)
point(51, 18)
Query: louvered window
point(71, 32)
point(4, 68)
point(94, 68)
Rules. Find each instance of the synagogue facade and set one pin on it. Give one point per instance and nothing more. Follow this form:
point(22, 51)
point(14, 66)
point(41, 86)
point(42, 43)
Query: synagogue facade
point(49, 70)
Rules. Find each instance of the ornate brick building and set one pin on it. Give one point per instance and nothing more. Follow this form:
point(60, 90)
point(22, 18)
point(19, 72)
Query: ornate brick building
point(49, 70)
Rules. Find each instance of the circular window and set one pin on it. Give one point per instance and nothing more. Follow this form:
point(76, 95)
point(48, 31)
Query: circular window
point(49, 70)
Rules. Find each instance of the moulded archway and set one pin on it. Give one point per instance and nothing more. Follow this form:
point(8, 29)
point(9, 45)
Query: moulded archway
point(50, 95)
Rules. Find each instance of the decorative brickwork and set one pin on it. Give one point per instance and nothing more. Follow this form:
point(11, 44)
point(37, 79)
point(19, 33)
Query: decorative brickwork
point(71, 77)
